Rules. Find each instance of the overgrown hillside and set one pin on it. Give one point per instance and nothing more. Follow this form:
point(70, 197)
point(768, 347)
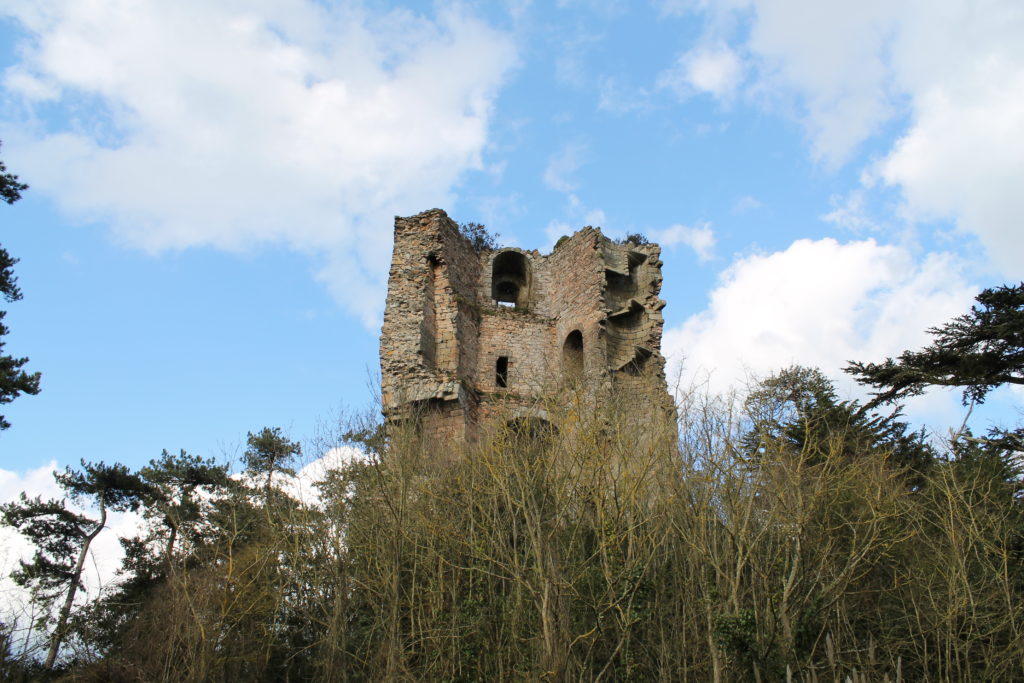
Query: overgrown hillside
point(783, 533)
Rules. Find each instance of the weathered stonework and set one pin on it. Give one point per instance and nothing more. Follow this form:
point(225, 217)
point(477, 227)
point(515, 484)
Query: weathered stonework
point(468, 335)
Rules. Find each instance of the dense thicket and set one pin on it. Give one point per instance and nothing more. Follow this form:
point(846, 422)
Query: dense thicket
point(598, 550)
point(781, 535)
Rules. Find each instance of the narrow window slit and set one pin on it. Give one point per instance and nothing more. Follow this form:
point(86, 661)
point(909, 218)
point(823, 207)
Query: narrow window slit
point(501, 373)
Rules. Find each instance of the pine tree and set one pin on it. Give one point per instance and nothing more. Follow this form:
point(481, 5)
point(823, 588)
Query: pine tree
point(978, 351)
point(14, 381)
point(62, 537)
point(269, 452)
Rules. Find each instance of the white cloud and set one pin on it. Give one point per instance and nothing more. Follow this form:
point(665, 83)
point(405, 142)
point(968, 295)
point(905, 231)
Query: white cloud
point(818, 303)
point(595, 218)
point(833, 55)
point(953, 70)
point(746, 203)
point(700, 238)
point(715, 69)
point(38, 481)
point(571, 62)
point(850, 213)
point(238, 124)
point(963, 159)
point(562, 165)
point(301, 486)
point(618, 99)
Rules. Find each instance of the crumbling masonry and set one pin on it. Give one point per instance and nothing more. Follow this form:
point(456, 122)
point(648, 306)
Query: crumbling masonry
point(469, 335)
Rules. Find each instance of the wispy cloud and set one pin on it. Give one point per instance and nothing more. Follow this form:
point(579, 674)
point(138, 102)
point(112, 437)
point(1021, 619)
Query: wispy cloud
point(617, 98)
point(700, 238)
point(558, 175)
point(745, 204)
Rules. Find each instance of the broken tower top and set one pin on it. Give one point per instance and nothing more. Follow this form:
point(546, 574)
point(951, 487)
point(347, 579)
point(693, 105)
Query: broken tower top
point(469, 334)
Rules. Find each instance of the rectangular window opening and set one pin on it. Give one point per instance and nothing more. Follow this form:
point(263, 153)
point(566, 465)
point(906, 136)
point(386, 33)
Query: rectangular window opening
point(501, 372)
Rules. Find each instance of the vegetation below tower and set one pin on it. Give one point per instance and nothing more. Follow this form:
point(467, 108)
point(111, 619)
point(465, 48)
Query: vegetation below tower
point(781, 533)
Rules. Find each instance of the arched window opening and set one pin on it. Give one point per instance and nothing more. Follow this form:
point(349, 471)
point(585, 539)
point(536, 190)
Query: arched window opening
point(501, 372)
point(510, 279)
point(572, 355)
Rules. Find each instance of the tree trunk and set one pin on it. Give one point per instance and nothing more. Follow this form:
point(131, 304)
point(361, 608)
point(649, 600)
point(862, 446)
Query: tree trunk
point(65, 611)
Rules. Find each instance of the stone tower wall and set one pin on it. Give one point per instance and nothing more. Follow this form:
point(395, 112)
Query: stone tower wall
point(468, 335)
point(577, 279)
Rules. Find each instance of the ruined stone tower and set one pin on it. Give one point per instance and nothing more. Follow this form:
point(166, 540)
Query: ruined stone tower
point(469, 335)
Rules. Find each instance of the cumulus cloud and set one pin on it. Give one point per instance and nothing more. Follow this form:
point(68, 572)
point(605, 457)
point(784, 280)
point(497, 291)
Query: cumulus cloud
point(833, 56)
point(700, 238)
point(714, 69)
point(963, 159)
point(819, 303)
point(238, 124)
point(953, 70)
point(302, 485)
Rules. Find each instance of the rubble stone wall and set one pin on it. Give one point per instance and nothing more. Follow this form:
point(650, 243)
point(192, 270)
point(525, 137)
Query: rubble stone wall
point(468, 334)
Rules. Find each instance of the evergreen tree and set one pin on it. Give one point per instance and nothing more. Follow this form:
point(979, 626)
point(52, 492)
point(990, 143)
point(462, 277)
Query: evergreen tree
point(978, 351)
point(177, 504)
point(798, 407)
point(269, 452)
point(479, 237)
point(174, 500)
point(14, 381)
point(62, 537)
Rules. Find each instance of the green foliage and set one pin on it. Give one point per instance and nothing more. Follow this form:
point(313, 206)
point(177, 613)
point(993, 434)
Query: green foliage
point(62, 537)
point(479, 237)
point(594, 545)
point(797, 408)
point(180, 488)
point(14, 380)
point(177, 503)
point(56, 532)
point(635, 238)
point(10, 187)
point(269, 452)
point(108, 487)
point(736, 635)
point(978, 351)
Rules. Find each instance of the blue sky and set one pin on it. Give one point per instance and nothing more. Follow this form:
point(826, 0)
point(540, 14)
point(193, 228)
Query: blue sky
point(205, 244)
